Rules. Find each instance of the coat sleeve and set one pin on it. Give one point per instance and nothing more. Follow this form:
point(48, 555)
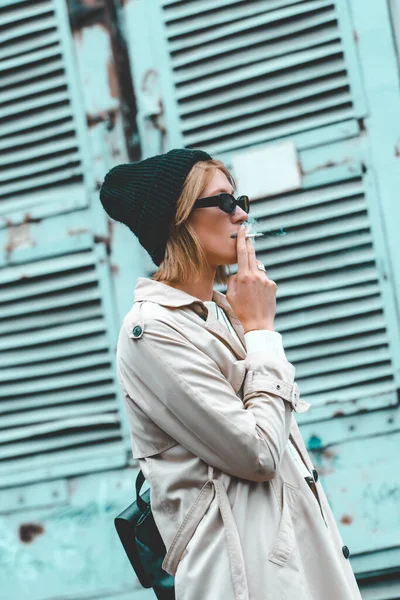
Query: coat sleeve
point(182, 390)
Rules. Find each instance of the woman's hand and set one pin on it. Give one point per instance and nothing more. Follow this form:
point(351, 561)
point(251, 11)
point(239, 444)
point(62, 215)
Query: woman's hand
point(250, 293)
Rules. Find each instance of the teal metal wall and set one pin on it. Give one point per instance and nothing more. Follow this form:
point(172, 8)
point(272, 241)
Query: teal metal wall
point(317, 76)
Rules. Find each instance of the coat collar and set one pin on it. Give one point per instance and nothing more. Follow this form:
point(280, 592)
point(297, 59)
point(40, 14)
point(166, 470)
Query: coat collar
point(165, 295)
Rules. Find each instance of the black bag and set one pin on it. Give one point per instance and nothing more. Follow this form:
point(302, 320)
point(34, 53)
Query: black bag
point(143, 544)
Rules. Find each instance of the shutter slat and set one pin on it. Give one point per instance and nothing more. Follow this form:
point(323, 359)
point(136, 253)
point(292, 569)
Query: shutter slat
point(67, 349)
point(61, 332)
point(195, 9)
point(321, 213)
point(296, 303)
point(46, 23)
point(41, 180)
point(51, 303)
point(34, 72)
point(70, 196)
point(342, 329)
point(337, 312)
point(54, 319)
point(353, 377)
point(55, 368)
point(253, 138)
point(279, 101)
point(241, 74)
point(47, 267)
point(45, 41)
point(341, 363)
point(67, 160)
point(321, 249)
point(330, 281)
point(266, 85)
point(25, 60)
point(313, 234)
point(45, 117)
point(33, 138)
point(23, 91)
point(356, 392)
point(309, 267)
point(309, 198)
point(34, 104)
point(92, 393)
point(334, 347)
point(211, 33)
point(249, 56)
point(241, 13)
point(54, 147)
point(274, 116)
point(68, 281)
point(45, 385)
point(21, 433)
point(46, 445)
point(13, 471)
point(25, 12)
point(53, 414)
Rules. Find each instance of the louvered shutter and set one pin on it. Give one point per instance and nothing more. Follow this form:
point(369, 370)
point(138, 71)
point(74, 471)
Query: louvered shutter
point(333, 307)
point(58, 394)
point(42, 155)
point(235, 74)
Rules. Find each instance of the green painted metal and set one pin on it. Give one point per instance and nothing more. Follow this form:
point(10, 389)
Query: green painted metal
point(225, 76)
point(249, 78)
point(46, 362)
point(37, 44)
point(58, 540)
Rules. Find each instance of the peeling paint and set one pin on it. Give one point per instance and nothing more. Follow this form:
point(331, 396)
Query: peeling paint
point(329, 164)
point(346, 520)
point(29, 531)
point(97, 72)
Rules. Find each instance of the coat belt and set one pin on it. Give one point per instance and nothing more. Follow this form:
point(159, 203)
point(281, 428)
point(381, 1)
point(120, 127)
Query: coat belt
point(212, 488)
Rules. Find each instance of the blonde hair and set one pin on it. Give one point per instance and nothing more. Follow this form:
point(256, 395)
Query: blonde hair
point(184, 256)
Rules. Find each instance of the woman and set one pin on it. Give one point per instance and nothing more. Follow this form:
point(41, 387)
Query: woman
point(210, 397)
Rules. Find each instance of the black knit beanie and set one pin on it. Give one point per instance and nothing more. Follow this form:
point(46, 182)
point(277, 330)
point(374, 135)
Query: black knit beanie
point(143, 195)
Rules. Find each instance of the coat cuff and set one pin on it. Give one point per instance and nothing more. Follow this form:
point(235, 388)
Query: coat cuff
point(266, 341)
point(273, 376)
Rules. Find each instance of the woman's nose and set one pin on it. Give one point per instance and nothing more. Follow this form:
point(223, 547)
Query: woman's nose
point(240, 215)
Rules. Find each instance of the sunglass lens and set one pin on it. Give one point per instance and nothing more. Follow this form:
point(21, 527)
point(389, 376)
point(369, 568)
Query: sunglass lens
point(243, 202)
point(227, 203)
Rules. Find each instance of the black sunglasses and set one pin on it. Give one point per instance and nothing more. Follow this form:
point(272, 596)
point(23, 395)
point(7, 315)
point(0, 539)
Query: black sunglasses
point(225, 202)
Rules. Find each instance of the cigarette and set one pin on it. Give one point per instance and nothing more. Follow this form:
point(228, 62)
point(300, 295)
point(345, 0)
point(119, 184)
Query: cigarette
point(249, 235)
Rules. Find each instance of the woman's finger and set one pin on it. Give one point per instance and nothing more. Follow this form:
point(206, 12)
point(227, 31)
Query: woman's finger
point(251, 255)
point(242, 253)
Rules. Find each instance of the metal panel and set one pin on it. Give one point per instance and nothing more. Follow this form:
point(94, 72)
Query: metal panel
point(57, 540)
point(58, 398)
point(336, 304)
point(235, 75)
point(42, 139)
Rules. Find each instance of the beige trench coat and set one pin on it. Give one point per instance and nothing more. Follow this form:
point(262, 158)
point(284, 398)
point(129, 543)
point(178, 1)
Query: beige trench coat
point(210, 426)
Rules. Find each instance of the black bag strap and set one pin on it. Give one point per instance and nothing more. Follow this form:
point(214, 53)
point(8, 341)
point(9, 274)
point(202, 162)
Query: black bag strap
point(140, 479)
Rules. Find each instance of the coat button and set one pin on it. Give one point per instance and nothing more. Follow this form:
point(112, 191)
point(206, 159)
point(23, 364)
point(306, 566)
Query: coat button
point(315, 475)
point(137, 331)
point(346, 552)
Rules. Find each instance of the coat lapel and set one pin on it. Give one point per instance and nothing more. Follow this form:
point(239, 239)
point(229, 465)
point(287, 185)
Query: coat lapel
point(218, 329)
point(156, 291)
